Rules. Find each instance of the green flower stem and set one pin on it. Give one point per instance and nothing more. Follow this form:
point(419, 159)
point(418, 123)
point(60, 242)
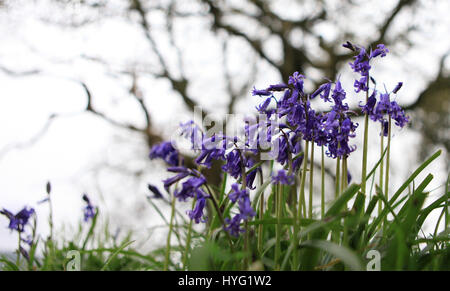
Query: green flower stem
point(365, 145)
point(301, 203)
point(188, 239)
point(222, 220)
point(380, 203)
point(18, 249)
point(322, 196)
point(169, 235)
point(311, 180)
point(338, 177)
point(278, 230)
point(388, 156)
point(260, 228)
point(294, 240)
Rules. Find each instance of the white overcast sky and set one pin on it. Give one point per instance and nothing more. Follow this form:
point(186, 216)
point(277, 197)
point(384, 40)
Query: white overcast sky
point(73, 152)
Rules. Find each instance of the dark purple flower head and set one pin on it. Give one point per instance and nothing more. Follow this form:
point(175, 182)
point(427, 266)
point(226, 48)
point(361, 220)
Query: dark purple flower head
point(213, 148)
point(277, 87)
point(237, 193)
point(20, 220)
point(361, 62)
point(397, 88)
point(189, 188)
point(263, 106)
point(89, 209)
point(233, 165)
point(197, 213)
point(172, 180)
point(233, 226)
point(324, 91)
point(193, 132)
point(380, 50)
point(296, 80)
point(349, 45)
point(349, 177)
point(261, 92)
point(370, 105)
point(156, 193)
point(245, 208)
point(338, 97)
point(283, 178)
point(340, 129)
point(385, 125)
point(361, 84)
point(398, 114)
point(165, 151)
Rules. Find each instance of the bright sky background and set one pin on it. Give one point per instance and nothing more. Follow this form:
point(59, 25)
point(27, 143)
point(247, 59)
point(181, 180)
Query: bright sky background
point(82, 153)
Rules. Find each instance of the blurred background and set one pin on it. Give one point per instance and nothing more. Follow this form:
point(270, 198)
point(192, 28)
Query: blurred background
point(88, 86)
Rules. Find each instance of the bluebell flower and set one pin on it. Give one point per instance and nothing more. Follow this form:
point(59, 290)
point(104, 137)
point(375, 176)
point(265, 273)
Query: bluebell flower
point(245, 208)
point(156, 193)
point(189, 188)
point(283, 178)
point(277, 87)
point(19, 220)
point(197, 213)
point(233, 226)
point(233, 165)
point(213, 148)
point(237, 193)
point(324, 91)
point(398, 114)
point(89, 209)
point(193, 132)
point(380, 50)
point(296, 80)
point(167, 152)
point(261, 92)
point(349, 45)
point(263, 106)
point(397, 88)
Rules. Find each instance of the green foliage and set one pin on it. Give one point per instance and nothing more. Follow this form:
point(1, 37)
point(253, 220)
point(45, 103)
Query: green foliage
point(338, 241)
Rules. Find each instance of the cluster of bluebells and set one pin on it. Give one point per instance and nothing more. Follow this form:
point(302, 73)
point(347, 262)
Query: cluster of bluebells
point(382, 108)
point(290, 120)
point(332, 129)
point(246, 212)
point(20, 220)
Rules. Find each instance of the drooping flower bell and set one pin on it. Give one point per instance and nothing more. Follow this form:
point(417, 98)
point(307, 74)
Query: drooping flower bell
point(167, 152)
point(89, 209)
point(20, 220)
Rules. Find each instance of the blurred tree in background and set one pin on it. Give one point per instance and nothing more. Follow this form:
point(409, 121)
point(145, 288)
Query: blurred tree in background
point(278, 36)
point(288, 36)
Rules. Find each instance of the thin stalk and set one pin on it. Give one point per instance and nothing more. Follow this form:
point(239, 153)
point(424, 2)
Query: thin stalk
point(278, 230)
point(311, 180)
point(222, 221)
point(301, 203)
point(380, 203)
point(18, 249)
point(260, 228)
point(365, 145)
point(338, 177)
point(261, 215)
point(322, 196)
point(388, 156)
point(294, 241)
point(246, 242)
point(345, 174)
point(172, 215)
point(188, 239)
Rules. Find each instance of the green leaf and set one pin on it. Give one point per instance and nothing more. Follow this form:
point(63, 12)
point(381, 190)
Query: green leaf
point(345, 255)
point(115, 254)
